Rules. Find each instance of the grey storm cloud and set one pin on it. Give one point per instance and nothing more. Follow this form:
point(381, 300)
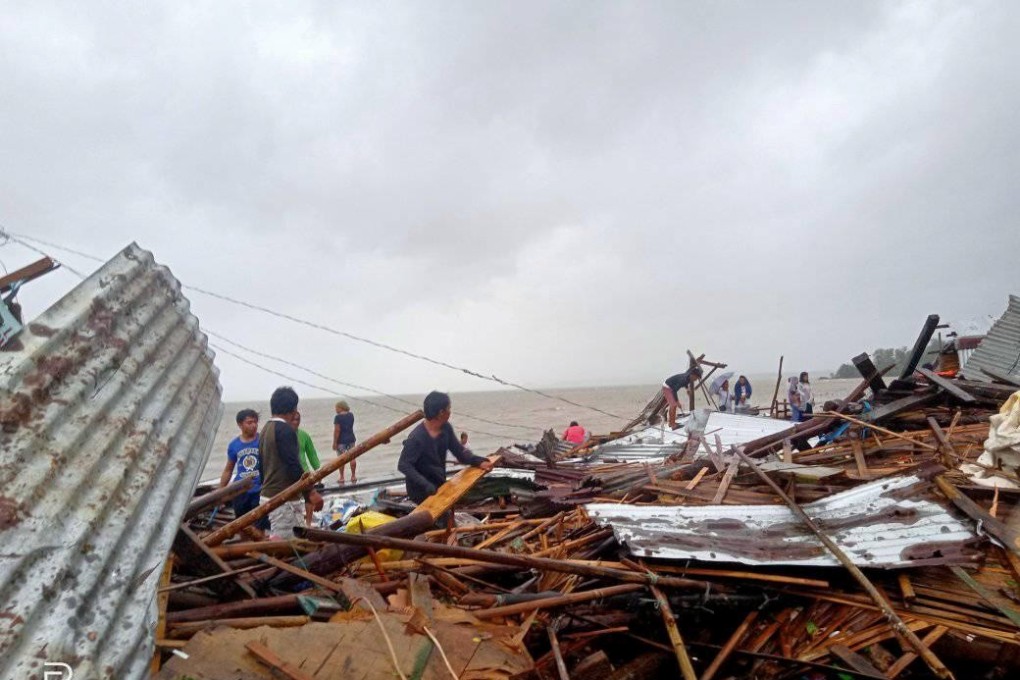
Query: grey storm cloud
point(560, 193)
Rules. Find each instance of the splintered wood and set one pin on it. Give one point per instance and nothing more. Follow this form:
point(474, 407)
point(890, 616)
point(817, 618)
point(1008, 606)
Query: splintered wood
point(513, 578)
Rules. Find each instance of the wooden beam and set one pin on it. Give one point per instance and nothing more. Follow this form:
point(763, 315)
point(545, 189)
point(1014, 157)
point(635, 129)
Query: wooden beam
point(862, 465)
point(862, 362)
point(947, 385)
point(28, 273)
point(923, 338)
point(906, 403)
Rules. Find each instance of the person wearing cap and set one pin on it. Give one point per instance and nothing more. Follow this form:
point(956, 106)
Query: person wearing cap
point(672, 386)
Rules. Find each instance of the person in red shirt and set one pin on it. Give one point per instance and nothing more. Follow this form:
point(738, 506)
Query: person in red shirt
point(574, 434)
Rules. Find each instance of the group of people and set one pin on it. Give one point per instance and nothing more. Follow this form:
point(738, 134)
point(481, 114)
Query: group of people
point(282, 453)
point(799, 394)
point(735, 401)
point(279, 455)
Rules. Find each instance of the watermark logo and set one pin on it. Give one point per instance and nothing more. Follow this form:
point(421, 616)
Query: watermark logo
point(65, 672)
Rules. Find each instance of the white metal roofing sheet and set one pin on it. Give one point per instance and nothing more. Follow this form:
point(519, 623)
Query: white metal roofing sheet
point(733, 429)
point(109, 402)
point(885, 523)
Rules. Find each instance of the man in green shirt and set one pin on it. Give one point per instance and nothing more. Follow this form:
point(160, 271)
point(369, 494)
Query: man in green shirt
point(309, 459)
point(307, 454)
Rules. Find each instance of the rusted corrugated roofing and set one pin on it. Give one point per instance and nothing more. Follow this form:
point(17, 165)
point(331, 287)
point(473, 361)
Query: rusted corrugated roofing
point(108, 408)
point(1000, 349)
point(886, 523)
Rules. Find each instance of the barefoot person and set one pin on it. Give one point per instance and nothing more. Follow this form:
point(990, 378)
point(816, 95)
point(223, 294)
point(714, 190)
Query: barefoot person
point(672, 386)
point(343, 437)
point(280, 463)
point(423, 458)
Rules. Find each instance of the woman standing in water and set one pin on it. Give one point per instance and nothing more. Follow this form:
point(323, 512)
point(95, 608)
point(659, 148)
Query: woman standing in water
point(343, 437)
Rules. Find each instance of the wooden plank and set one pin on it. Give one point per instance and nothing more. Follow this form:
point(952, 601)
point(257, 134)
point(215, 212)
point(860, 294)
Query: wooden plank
point(862, 465)
point(697, 478)
point(947, 385)
point(28, 273)
point(906, 588)
point(727, 479)
point(453, 490)
point(900, 405)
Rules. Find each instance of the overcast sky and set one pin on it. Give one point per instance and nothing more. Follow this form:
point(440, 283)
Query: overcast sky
point(559, 193)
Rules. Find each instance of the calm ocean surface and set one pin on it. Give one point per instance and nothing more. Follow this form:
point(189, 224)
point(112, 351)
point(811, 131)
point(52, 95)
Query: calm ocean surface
point(531, 411)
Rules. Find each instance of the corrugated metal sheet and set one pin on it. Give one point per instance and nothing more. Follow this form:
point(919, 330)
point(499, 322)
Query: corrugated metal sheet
point(108, 409)
point(656, 443)
point(1000, 350)
point(885, 523)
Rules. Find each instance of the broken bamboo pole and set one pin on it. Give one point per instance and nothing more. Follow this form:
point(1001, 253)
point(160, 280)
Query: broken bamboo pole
point(218, 497)
point(558, 601)
point(309, 481)
point(332, 558)
point(730, 645)
point(682, 658)
point(554, 644)
point(491, 556)
point(894, 620)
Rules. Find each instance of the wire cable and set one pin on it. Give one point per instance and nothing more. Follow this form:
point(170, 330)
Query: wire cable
point(460, 414)
point(328, 329)
point(330, 390)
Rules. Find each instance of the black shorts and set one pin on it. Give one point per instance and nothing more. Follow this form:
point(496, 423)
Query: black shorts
point(247, 502)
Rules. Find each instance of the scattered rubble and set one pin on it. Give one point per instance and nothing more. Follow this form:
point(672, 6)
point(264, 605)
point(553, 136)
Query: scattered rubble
point(848, 545)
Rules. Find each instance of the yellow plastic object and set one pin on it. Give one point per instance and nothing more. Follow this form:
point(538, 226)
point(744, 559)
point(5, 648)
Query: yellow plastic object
point(371, 520)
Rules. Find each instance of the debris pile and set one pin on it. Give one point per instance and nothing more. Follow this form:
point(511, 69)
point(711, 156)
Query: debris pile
point(848, 545)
